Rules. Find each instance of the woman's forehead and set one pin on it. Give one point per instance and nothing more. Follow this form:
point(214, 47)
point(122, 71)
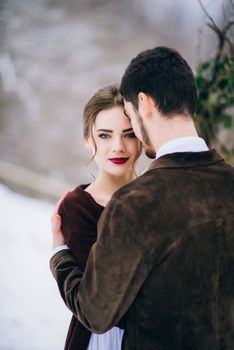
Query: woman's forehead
point(112, 119)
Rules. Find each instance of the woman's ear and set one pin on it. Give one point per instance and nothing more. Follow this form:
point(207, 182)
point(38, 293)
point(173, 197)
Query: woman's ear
point(87, 143)
point(145, 105)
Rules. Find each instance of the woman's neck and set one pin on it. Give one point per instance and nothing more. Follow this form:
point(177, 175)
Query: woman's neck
point(106, 184)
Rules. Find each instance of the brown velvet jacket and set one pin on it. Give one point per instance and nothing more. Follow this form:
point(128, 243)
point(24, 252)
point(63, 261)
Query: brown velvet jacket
point(164, 257)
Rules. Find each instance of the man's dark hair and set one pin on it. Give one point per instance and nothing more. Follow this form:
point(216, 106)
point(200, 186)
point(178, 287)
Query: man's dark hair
point(163, 74)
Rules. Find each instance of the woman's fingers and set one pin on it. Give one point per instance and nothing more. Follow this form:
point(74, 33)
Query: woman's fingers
point(56, 223)
point(58, 238)
point(59, 202)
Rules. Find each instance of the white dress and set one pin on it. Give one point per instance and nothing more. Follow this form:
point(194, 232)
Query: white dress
point(110, 340)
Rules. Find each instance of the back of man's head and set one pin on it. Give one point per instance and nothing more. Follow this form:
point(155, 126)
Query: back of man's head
point(163, 74)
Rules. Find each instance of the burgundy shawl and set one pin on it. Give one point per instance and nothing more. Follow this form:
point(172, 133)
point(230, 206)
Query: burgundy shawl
point(80, 214)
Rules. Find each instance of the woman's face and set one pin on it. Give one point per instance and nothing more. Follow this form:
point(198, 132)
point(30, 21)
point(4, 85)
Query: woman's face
point(116, 143)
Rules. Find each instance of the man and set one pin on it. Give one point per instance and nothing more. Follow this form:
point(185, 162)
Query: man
point(164, 257)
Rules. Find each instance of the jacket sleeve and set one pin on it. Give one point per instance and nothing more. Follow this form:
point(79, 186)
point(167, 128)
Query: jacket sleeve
point(118, 265)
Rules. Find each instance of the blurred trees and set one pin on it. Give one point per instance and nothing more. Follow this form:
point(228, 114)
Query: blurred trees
point(215, 83)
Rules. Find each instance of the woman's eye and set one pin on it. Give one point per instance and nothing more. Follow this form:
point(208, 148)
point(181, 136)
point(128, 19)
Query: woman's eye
point(104, 136)
point(131, 135)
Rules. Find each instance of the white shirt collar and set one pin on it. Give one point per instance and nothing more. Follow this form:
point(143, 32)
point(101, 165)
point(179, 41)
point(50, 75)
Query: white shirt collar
point(183, 144)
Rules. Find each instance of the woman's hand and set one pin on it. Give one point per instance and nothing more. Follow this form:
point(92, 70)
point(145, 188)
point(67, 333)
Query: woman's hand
point(58, 239)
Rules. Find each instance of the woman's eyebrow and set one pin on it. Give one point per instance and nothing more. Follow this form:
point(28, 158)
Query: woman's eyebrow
point(105, 130)
point(111, 131)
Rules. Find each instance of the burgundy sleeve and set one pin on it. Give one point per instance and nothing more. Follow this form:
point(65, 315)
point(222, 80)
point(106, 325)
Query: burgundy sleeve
point(79, 227)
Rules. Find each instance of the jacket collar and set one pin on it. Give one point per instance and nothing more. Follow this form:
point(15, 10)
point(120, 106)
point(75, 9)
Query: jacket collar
point(186, 160)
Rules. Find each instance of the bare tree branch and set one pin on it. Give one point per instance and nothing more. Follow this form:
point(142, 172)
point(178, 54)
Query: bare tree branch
point(209, 16)
point(221, 33)
point(228, 26)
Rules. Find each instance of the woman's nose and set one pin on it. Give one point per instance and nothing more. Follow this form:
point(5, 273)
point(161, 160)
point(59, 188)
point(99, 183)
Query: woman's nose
point(118, 144)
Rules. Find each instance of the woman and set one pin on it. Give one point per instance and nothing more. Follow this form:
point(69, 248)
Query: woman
point(109, 135)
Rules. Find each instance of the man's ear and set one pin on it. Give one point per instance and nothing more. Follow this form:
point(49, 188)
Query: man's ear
point(145, 105)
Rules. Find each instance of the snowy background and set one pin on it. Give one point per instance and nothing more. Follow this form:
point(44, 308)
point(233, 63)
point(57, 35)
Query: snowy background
point(32, 314)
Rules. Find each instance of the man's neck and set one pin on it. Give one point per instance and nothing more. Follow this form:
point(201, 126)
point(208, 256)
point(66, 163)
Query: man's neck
point(169, 129)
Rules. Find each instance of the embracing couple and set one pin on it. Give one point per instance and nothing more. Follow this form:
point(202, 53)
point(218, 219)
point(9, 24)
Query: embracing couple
point(147, 262)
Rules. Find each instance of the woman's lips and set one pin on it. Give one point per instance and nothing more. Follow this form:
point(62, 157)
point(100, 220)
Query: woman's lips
point(119, 160)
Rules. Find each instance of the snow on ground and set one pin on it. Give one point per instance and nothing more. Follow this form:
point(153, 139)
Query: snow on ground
point(32, 313)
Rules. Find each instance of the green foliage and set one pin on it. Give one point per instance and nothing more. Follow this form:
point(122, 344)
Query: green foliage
point(215, 84)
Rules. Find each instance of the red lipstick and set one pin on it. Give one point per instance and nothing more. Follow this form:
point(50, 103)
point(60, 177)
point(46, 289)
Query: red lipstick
point(119, 160)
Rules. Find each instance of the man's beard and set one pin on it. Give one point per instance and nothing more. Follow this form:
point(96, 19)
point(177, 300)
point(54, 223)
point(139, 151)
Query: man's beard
point(149, 150)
